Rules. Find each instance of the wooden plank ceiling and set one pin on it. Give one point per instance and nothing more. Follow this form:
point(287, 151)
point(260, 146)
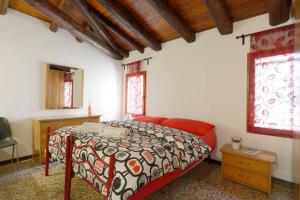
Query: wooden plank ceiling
point(119, 26)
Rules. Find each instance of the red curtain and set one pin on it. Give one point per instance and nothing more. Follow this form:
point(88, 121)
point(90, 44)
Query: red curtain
point(135, 88)
point(68, 76)
point(134, 67)
point(271, 82)
point(273, 39)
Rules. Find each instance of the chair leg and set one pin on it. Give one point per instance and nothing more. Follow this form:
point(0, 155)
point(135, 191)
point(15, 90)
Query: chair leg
point(13, 154)
point(17, 157)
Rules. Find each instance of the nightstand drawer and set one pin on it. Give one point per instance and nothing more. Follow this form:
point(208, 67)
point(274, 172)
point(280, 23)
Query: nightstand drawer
point(247, 164)
point(246, 177)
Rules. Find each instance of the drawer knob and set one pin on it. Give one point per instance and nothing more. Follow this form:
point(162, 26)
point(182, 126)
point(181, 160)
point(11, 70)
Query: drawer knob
point(240, 175)
point(241, 163)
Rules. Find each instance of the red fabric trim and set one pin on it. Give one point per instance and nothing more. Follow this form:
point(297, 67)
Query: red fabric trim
point(68, 77)
point(149, 119)
point(134, 67)
point(210, 139)
point(273, 38)
point(162, 181)
point(273, 30)
point(251, 93)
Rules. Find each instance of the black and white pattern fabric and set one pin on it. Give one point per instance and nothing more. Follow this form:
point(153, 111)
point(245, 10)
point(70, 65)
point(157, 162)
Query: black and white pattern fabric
point(149, 152)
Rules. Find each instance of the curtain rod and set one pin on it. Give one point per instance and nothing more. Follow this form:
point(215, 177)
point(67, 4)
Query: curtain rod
point(249, 34)
point(147, 59)
point(243, 37)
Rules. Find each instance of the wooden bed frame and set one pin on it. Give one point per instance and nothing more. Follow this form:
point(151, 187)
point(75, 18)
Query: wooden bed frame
point(144, 191)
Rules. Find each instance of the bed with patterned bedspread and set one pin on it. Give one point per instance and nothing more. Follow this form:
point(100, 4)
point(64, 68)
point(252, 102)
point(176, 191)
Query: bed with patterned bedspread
point(150, 152)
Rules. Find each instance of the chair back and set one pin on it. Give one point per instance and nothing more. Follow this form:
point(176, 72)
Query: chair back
point(4, 129)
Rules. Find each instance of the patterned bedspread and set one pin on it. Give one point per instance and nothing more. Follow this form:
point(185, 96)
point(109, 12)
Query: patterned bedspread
point(148, 153)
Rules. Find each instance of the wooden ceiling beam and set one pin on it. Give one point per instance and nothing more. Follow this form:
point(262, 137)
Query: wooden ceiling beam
point(53, 25)
point(174, 19)
point(99, 29)
point(86, 27)
point(221, 15)
point(112, 42)
point(79, 40)
point(63, 20)
point(3, 6)
point(122, 14)
point(279, 11)
point(105, 22)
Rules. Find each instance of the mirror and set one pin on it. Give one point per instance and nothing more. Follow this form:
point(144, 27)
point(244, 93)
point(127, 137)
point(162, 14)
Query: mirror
point(64, 87)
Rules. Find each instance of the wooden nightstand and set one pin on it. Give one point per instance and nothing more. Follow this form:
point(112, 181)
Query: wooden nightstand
point(254, 171)
point(41, 124)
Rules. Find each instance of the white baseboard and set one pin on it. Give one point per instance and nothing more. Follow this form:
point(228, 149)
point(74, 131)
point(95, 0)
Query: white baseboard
point(282, 176)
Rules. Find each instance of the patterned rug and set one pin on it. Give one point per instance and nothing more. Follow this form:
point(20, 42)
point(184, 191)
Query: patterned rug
point(204, 182)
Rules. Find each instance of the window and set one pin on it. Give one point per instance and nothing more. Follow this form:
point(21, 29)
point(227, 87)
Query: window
point(68, 94)
point(68, 90)
point(273, 85)
point(135, 93)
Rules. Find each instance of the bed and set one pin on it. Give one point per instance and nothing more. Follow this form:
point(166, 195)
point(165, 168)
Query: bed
point(129, 168)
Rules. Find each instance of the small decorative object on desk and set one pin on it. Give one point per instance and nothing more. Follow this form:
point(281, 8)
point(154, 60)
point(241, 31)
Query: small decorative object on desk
point(90, 109)
point(251, 151)
point(236, 142)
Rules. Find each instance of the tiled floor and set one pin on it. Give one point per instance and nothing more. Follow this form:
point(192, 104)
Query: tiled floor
point(204, 182)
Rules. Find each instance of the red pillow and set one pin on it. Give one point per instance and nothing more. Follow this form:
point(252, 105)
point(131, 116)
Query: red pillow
point(148, 119)
point(192, 126)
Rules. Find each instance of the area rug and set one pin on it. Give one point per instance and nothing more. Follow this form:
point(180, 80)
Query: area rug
point(204, 182)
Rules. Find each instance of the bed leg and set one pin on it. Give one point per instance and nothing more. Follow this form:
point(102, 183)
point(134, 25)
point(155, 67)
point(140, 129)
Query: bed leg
point(110, 174)
point(209, 159)
point(47, 156)
point(68, 169)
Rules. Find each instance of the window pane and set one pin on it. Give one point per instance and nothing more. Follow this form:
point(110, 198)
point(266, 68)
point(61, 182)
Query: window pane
point(296, 100)
point(135, 93)
point(274, 92)
point(68, 94)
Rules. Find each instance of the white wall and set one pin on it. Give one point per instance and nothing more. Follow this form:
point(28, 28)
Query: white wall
point(26, 44)
point(207, 80)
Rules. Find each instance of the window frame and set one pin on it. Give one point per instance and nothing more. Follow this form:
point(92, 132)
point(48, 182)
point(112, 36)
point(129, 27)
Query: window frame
point(251, 93)
point(144, 74)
